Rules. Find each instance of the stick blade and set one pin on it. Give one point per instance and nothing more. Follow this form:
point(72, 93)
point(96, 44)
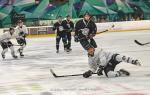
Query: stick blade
point(137, 42)
point(53, 73)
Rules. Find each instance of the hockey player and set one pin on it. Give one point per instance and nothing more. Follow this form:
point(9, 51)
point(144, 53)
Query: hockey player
point(21, 31)
point(85, 30)
point(60, 33)
point(101, 60)
point(6, 43)
point(68, 27)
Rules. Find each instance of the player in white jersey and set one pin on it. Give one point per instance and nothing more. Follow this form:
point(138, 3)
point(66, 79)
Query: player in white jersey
point(101, 60)
point(6, 43)
point(21, 31)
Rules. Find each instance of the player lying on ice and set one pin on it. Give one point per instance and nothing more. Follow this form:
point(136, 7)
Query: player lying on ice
point(101, 60)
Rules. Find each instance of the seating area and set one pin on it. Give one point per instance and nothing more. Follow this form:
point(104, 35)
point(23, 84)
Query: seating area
point(35, 11)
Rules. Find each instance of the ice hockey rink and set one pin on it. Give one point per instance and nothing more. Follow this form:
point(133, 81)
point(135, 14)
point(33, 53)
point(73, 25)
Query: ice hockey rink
point(31, 75)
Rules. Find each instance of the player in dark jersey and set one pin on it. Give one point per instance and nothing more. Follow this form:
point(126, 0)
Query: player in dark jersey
point(68, 27)
point(85, 30)
point(60, 33)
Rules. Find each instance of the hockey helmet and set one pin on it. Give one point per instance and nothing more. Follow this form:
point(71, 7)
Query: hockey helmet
point(59, 17)
point(20, 21)
point(68, 16)
point(87, 13)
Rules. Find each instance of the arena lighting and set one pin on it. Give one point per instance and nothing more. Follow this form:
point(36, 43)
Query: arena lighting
point(52, 14)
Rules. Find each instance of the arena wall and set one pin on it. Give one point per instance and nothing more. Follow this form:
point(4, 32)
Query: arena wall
point(125, 25)
point(119, 26)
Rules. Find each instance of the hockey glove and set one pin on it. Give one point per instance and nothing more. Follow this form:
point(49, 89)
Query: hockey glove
point(25, 35)
point(87, 74)
point(76, 39)
point(100, 70)
point(91, 36)
point(3, 43)
point(21, 33)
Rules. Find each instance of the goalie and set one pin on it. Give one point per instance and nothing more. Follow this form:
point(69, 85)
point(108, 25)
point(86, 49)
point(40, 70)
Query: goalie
point(101, 60)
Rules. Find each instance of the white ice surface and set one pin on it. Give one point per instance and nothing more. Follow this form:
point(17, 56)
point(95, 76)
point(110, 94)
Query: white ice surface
point(31, 76)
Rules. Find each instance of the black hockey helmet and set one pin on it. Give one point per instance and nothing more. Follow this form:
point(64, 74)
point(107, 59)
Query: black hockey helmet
point(11, 28)
point(19, 21)
point(68, 16)
point(87, 13)
point(59, 16)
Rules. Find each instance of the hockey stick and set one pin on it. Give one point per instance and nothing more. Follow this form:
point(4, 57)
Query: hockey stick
point(106, 29)
point(141, 44)
point(12, 44)
point(99, 32)
point(16, 45)
point(58, 76)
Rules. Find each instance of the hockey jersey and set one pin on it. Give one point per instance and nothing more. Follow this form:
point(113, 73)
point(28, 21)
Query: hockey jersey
point(6, 37)
point(100, 58)
point(59, 28)
point(68, 25)
point(83, 28)
point(21, 31)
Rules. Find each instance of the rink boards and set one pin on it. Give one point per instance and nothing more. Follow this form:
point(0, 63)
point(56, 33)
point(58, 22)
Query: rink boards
point(119, 27)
